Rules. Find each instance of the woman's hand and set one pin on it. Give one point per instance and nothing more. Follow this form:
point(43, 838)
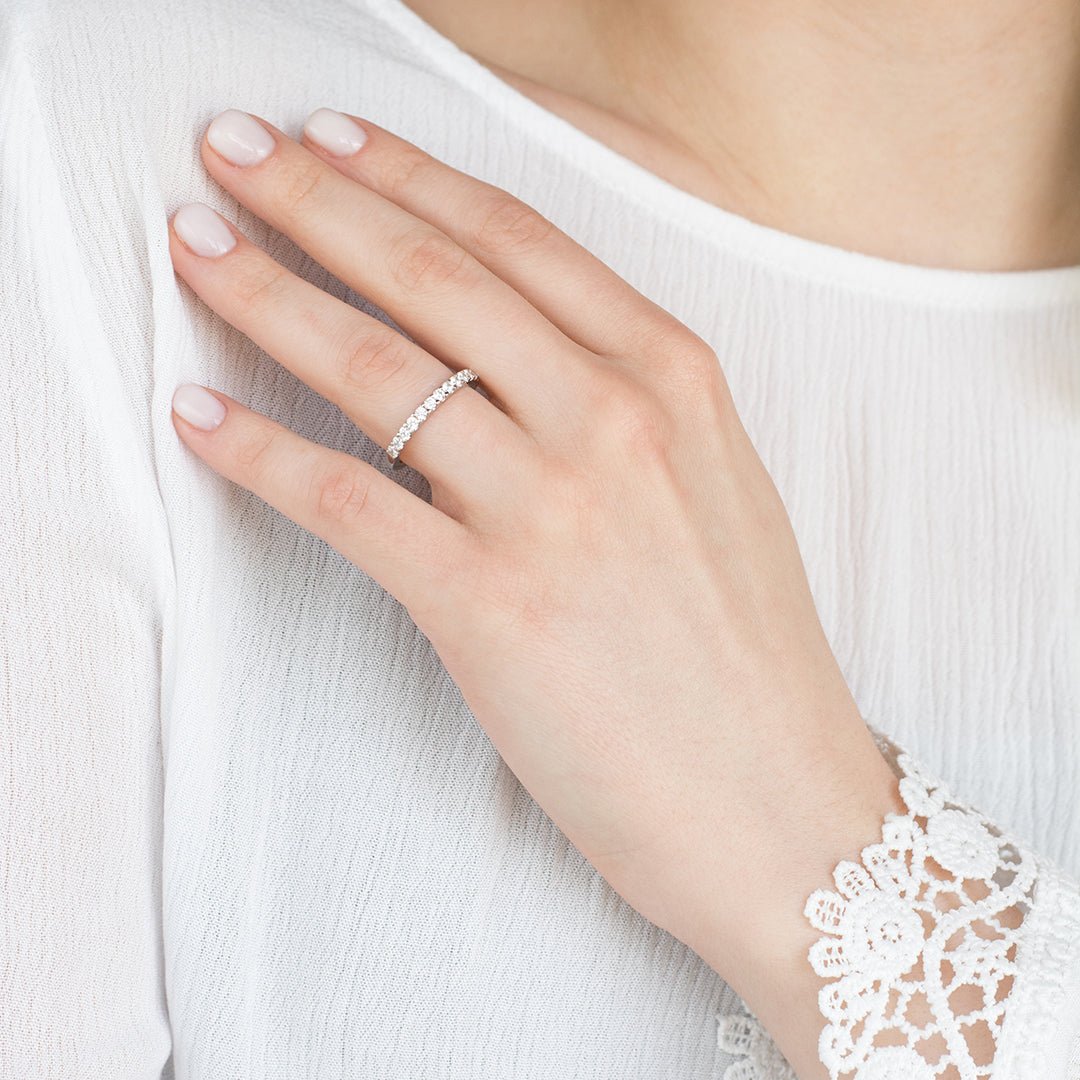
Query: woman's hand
point(606, 568)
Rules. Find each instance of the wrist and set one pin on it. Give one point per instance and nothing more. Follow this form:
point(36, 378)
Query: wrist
point(756, 934)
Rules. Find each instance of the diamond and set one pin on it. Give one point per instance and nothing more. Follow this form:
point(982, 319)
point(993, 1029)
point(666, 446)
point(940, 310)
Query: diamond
point(412, 424)
point(430, 403)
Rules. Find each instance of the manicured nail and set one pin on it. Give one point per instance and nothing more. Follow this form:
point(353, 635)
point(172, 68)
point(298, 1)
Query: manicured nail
point(335, 132)
point(240, 138)
point(204, 231)
point(198, 406)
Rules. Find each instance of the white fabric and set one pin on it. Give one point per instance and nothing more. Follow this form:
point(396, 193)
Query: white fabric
point(248, 819)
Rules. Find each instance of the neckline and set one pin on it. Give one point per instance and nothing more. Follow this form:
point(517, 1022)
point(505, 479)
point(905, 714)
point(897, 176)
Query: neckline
point(780, 252)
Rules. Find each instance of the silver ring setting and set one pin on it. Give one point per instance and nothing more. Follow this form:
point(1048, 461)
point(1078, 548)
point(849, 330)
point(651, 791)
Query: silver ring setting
point(424, 410)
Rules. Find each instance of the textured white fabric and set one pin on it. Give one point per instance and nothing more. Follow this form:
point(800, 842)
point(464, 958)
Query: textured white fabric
point(248, 819)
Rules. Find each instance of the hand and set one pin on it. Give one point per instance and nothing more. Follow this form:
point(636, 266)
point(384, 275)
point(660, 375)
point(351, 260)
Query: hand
point(605, 568)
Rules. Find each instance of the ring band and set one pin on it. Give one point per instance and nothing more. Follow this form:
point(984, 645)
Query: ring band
point(424, 410)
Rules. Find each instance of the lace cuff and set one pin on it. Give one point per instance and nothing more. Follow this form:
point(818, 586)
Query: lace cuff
point(953, 953)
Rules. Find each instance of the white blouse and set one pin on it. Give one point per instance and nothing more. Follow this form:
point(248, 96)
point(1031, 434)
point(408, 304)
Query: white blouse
point(251, 830)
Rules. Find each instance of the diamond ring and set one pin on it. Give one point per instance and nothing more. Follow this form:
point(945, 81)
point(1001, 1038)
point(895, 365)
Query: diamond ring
point(424, 410)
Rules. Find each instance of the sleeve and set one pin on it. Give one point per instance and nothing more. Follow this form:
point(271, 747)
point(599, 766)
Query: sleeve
point(85, 561)
point(950, 952)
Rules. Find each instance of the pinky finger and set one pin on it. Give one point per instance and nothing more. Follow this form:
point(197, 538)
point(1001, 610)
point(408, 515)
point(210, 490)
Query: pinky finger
point(410, 548)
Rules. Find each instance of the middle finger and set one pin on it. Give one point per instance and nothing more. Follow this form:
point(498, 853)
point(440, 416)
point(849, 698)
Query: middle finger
point(442, 296)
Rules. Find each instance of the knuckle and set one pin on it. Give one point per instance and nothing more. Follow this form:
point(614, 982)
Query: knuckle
point(255, 453)
point(395, 173)
point(695, 380)
point(659, 333)
point(341, 494)
point(508, 225)
point(632, 420)
point(690, 374)
point(426, 257)
point(299, 181)
point(690, 360)
point(370, 359)
point(260, 286)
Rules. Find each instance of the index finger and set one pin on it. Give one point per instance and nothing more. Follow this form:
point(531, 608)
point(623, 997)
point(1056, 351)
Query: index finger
point(569, 285)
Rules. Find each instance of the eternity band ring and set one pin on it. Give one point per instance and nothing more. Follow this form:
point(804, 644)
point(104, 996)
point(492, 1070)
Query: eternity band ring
point(424, 410)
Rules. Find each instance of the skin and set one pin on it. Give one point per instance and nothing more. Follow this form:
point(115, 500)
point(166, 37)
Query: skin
point(606, 568)
point(944, 135)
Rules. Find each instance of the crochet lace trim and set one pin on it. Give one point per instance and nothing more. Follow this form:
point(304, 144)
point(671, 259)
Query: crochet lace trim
point(923, 942)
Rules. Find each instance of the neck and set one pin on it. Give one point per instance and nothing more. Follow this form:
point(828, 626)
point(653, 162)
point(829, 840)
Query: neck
point(937, 134)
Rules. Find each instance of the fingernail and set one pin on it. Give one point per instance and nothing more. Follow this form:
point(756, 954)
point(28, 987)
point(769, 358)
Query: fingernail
point(335, 132)
point(240, 138)
point(204, 231)
point(198, 406)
